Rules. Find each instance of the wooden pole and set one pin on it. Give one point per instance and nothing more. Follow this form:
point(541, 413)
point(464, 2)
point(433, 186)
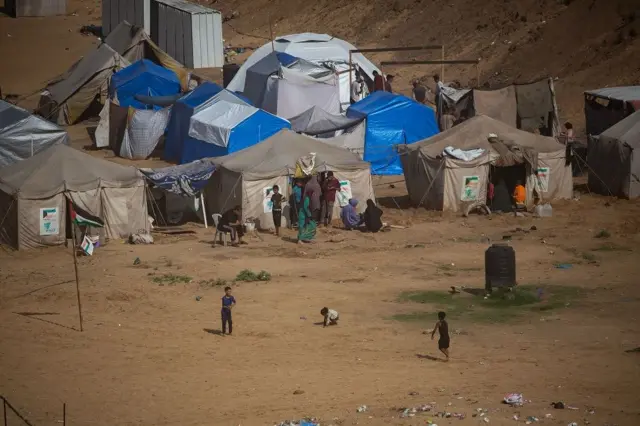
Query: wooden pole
point(75, 266)
point(442, 66)
point(204, 209)
point(273, 45)
point(350, 73)
point(64, 414)
point(478, 74)
point(4, 410)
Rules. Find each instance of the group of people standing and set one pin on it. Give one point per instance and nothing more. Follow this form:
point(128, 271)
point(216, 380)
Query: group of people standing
point(359, 89)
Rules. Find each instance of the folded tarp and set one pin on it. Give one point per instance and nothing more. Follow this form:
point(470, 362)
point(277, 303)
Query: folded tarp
point(316, 121)
point(186, 179)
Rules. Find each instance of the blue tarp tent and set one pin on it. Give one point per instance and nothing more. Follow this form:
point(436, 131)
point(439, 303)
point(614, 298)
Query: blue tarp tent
point(391, 120)
point(143, 78)
point(225, 124)
point(183, 109)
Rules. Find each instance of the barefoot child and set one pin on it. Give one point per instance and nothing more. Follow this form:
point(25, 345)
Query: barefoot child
point(331, 317)
point(443, 330)
point(228, 302)
point(276, 199)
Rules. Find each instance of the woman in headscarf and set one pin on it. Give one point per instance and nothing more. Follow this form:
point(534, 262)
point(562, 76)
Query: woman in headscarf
point(313, 189)
point(372, 217)
point(350, 217)
point(306, 224)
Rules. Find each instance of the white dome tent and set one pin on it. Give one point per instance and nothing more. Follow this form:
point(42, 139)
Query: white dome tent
point(320, 49)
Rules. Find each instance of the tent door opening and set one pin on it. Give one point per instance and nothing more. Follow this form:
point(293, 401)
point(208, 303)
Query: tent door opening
point(504, 180)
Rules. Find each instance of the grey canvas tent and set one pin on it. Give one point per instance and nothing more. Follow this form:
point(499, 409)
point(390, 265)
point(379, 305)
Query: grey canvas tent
point(71, 96)
point(247, 176)
point(34, 192)
point(445, 173)
point(605, 107)
point(528, 106)
point(317, 122)
point(22, 134)
point(614, 163)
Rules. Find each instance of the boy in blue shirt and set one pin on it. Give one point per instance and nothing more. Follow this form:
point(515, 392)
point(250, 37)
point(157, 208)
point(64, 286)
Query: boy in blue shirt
point(228, 302)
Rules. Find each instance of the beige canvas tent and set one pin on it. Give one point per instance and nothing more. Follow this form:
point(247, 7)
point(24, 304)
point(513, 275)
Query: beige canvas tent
point(246, 177)
point(33, 197)
point(445, 173)
point(70, 97)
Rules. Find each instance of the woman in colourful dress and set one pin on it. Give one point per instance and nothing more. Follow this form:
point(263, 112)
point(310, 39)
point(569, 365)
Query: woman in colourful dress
point(306, 225)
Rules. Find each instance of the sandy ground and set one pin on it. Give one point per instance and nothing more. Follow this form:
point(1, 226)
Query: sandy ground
point(149, 354)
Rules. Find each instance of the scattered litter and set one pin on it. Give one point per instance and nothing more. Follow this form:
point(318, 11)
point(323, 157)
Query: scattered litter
point(198, 298)
point(486, 420)
point(414, 246)
point(532, 419)
point(548, 415)
point(563, 266)
point(513, 399)
point(298, 392)
point(413, 393)
point(516, 417)
point(136, 261)
point(140, 239)
point(572, 408)
point(558, 405)
point(362, 409)
point(573, 424)
point(309, 421)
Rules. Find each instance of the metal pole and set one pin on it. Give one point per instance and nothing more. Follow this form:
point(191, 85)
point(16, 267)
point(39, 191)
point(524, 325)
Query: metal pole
point(350, 76)
point(75, 266)
point(204, 209)
point(273, 45)
point(64, 414)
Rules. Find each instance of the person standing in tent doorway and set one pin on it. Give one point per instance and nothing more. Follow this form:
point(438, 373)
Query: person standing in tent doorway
point(276, 209)
point(330, 186)
point(378, 82)
point(357, 89)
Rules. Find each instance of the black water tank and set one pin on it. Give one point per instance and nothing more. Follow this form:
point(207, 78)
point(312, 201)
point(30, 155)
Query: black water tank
point(499, 266)
point(228, 72)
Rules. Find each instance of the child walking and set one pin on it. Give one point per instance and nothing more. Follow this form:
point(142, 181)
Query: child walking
point(443, 330)
point(228, 302)
point(276, 199)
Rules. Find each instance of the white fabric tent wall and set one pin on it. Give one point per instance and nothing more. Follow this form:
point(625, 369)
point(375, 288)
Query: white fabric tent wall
point(215, 123)
point(352, 139)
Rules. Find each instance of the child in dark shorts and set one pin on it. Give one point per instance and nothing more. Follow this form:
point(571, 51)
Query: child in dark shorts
point(276, 199)
point(443, 329)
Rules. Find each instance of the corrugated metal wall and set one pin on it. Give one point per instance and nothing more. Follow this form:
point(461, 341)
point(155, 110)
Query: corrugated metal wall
point(190, 33)
point(19, 8)
point(136, 12)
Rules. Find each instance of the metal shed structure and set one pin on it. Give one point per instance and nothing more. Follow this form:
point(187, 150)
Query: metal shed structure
point(18, 8)
point(190, 33)
point(136, 12)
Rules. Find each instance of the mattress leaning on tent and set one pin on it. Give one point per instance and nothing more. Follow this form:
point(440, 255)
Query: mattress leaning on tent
point(22, 134)
point(441, 181)
point(613, 160)
point(34, 193)
point(247, 177)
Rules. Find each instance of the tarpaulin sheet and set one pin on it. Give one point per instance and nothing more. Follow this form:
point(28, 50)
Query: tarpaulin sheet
point(186, 179)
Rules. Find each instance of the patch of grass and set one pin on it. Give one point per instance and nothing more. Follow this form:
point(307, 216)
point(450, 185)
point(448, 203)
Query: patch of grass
point(603, 233)
point(171, 279)
point(501, 306)
point(218, 282)
point(589, 257)
point(250, 276)
point(611, 247)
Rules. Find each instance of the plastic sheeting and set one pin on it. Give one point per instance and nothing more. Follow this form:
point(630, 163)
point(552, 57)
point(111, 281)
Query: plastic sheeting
point(225, 124)
point(500, 104)
point(185, 180)
point(22, 135)
point(316, 121)
point(143, 78)
point(391, 120)
point(143, 132)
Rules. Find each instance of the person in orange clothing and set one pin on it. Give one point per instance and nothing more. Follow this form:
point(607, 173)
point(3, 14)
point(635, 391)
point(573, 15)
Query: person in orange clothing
point(519, 194)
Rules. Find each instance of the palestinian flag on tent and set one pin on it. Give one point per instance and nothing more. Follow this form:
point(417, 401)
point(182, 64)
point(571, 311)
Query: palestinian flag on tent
point(83, 218)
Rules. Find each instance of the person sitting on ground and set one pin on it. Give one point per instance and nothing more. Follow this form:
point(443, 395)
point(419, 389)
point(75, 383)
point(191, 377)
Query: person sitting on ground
point(372, 217)
point(519, 195)
point(230, 222)
point(350, 217)
point(331, 317)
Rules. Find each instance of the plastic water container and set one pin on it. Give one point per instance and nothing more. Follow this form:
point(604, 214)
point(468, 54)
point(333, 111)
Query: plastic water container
point(543, 210)
point(499, 266)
